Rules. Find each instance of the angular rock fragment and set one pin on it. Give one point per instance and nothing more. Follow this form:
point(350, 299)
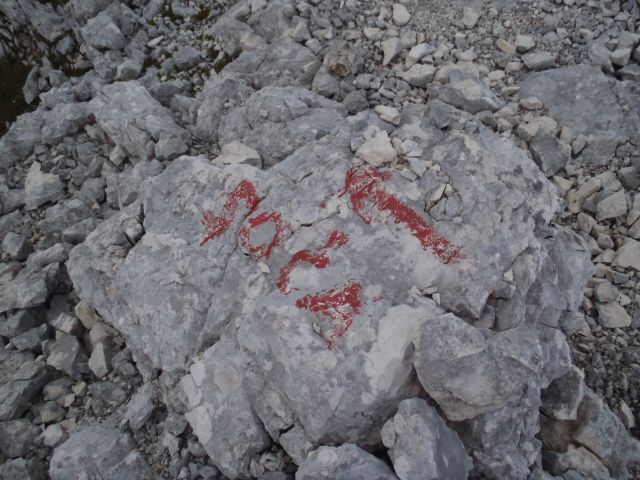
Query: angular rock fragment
point(41, 188)
point(17, 246)
point(30, 288)
point(137, 123)
point(470, 95)
point(561, 399)
point(421, 445)
point(16, 437)
point(549, 153)
point(102, 32)
point(346, 462)
point(141, 406)
point(68, 356)
point(98, 451)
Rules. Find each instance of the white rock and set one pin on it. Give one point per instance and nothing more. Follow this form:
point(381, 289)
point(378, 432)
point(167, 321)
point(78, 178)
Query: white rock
point(236, 152)
point(391, 47)
point(388, 114)
point(613, 206)
point(401, 15)
point(419, 75)
point(613, 315)
point(378, 150)
point(40, 188)
point(470, 17)
point(524, 43)
point(628, 255)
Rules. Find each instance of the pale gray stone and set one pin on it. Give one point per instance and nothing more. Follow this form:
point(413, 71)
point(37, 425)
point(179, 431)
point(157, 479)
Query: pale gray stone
point(41, 188)
point(524, 43)
point(561, 399)
point(400, 14)
point(68, 356)
point(135, 121)
point(549, 153)
point(613, 315)
point(21, 380)
point(17, 246)
point(419, 75)
point(470, 95)
point(102, 32)
point(346, 462)
point(535, 61)
point(140, 407)
point(98, 451)
point(377, 151)
point(421, 445)
point(628, 255)
point(30, 288)
point(17, 437)
point(187, 57)
point(23, 469)
point(612, 206)
point(470, 16)
point(100, 359)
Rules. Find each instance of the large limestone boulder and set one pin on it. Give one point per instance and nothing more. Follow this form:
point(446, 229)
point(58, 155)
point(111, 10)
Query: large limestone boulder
point(313, 280)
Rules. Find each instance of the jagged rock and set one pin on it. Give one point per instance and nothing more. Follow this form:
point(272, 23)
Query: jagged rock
point(31, 339)
point(346, 462)
point(612, 206)
point(613, 315)
point(460, 366)
point(16, 437)
point(98, 451)
point(68, 356)
point(30, 288)
point(275, 121)
point(628, 255)
point(341, 59)
point(140, 407)
point(421, 445)
point(470, 95)
point(102, 32)
point(100, 359)
point(23, 469)
point(187, 57)
point(524, 43)
point(21, 380)
point(550, 154)
point(23, 135)
point(63, 215)
point(377, 151)
point(602, 433)
point(19, 322)
point(563, 396)
point(41, 188)
point(63, 120)
point(137, 123)
point(419, 75)
point(598, 115)
point(17, 246)
point(284, 63)
point(236, 152)
point(535, 61)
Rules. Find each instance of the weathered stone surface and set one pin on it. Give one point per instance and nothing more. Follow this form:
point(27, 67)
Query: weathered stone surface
point(137, 123)
point(23, 469)
point(275, 121)
point(141, 406)
point(597, 115)
point(377, 150)
point(23, 135)
point(470, 95)
point(421, 445)
point(346, 462)
point(41, 188)
point(284, 63)
point(30, 288)
point(549, 153)
point(98, 451)
point(102, 32)
point(68, 356)
point(180, 284)
point(628, 255)
point(17, 246)
point(16, 437)
point(21, 379)
point(463, 368)
point(561, 399)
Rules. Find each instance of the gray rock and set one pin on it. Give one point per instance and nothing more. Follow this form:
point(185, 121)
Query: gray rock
point(56, 254)
point(129, 182)
point(187, 57)
point(21, 379)
point(612, 206)
point(535, 61)
point(100, 359)
point(23, 469)
point(51, 412)
point(602, 433)
point(103, 33)
point(421, 445)
point(17, 246)
point(63, 215)
point(470, 95)
point(628, 255)
point(31, 339)
point(236, 152)
point(129, 69)
point(140, 407)
point(98, 451)
point(23, 135)
point(17, 437)
point(135, 121)
point(276, 121)
point(377, 150)
point(613, 315)
point(401, 15)
point(19, 322)
point(419, 75)
point(283, 63)
point(598, 115)
point(549, 153)
point(10, 199)
point(64, 120)
point(41, 188)
point(524, 43)
point(563, 396)
point(470, 17)
point(78, 232)
point(341, 59)
point(68, 356)
point(346, 462)
point(30, 288)
point(461, 367)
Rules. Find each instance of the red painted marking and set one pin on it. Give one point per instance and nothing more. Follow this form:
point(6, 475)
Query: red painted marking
point(323, 204)
point(264, 250)
point(216, 226)
point(318, 258)
point(366, 184)
point(338, 304)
